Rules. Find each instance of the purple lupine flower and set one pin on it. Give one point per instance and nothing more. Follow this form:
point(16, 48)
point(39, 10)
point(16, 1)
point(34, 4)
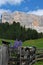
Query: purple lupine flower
point(20, 43)
point(16, 44)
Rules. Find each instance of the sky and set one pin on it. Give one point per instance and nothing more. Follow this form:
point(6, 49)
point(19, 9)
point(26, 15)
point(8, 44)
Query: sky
point(27, 6)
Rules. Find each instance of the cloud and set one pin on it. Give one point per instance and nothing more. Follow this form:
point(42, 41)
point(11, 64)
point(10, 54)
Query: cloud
point(36, 12)
point(15, 2)
point(3, 10)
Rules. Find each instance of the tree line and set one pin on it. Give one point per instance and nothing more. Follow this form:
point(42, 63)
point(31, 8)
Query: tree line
point(16, 31)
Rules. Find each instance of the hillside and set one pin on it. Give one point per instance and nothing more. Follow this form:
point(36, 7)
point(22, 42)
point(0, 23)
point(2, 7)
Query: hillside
point(38, 42)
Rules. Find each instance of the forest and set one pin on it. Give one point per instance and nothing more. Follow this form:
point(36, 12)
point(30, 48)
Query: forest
point(16, 31)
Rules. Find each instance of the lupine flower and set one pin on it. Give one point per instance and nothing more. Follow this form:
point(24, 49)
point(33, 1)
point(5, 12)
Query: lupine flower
point(17, 43)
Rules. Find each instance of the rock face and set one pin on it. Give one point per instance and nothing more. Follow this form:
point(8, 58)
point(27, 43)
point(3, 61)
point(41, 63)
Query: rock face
point(29, 20)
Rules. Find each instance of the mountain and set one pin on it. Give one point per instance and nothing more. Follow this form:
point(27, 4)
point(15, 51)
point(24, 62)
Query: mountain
point(29, 20)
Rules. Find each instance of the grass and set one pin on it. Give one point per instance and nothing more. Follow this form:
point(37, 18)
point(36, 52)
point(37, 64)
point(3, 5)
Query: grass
point(11, 41)
point(38, 43)
point(39, 63)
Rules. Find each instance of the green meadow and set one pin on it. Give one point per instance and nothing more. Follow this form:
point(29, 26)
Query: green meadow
point(37, 42)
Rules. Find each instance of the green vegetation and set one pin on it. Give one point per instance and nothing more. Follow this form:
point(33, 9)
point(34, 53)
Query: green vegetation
point(38, 43)
point(11, 41)
point(39, 63)
point(16, 31)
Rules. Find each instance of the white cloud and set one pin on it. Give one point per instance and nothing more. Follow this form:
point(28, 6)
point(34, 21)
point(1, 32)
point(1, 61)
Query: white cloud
point(36, 12)
point(15, 2)
point(3, 10)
